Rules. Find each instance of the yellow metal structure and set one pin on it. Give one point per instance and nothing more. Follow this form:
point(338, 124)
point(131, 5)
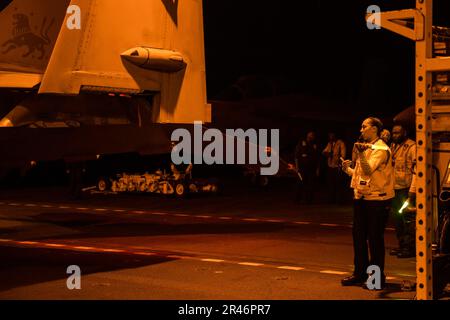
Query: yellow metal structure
point(424, 222)
point(421, 32)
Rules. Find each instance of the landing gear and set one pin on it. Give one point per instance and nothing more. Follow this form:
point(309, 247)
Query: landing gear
point(180, 190)
point(103, 185)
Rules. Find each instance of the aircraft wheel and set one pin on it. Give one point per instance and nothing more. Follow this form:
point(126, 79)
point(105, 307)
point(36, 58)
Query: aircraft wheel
point(180, 190)
point(102, 185)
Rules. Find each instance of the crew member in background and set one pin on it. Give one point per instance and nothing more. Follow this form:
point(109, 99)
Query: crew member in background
point(403, 159)
point(307, 164)
point(386, 136)
point(373, 186)
point(334, 151)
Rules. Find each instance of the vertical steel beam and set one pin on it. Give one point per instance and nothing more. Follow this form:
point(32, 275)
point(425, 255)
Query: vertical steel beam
point(424, 265)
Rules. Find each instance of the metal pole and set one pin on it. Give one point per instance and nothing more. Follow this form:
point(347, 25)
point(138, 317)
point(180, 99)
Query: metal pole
point(424, 265)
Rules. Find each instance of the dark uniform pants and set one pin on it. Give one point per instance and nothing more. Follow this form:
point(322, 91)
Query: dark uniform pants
point(305, 188)
point(369, 222)
point(335, 185)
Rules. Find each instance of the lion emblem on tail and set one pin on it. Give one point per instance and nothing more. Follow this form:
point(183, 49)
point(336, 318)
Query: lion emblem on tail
point(23, 36)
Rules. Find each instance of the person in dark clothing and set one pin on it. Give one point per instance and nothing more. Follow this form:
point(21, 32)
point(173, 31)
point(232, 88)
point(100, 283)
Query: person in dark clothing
point(334, 151)
point(403, 160)
point(307, 164)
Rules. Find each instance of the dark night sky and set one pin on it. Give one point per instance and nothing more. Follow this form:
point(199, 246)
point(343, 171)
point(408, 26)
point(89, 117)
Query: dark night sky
point(320, 47)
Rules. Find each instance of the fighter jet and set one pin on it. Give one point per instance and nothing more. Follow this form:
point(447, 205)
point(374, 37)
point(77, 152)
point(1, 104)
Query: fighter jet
point(84, 78)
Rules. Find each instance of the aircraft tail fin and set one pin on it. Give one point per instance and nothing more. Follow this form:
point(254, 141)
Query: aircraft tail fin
point(28, 32)
point(132, 47)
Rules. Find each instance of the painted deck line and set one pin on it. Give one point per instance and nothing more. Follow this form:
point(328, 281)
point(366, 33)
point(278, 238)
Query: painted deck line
point(250, 264)
point(340, 273)
point(291, 268)
point(213, 260)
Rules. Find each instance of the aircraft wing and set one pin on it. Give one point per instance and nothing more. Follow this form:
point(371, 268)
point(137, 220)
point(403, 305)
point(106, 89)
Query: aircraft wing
point(19, 80)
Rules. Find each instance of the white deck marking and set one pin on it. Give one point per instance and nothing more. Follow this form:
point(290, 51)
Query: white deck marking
point(329, 225)
point(144, 253)
point(27, 242)
point(341, 273)
point(250, 264)
point(213, 260)
point(178, 257)
point(54, 245)
point(113, 250)
point(291, 268)
point(84, 248)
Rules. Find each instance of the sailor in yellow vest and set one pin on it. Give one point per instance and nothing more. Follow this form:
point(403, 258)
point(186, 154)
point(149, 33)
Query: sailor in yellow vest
point(403, 160)
point(373, 185)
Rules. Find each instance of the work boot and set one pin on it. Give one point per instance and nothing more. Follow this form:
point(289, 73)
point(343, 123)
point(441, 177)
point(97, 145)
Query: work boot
point(353, 281)
point(382, 287)
point(406, 253)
